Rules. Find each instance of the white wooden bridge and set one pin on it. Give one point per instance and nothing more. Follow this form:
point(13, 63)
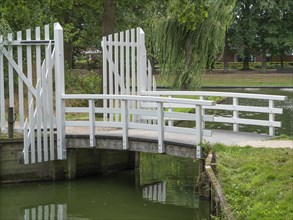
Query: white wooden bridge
point(132, 106)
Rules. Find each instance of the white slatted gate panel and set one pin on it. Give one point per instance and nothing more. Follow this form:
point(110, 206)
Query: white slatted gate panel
point(28, 60)
point(126, 69)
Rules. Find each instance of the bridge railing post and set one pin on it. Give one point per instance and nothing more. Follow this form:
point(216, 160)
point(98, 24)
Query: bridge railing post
point(124, 119)
point(198, 124)
point(92, 121)
point(202, 112)
point(160, 126)
point(60, 90)
point(170, 122)
point(271, 118)
point(235, 114)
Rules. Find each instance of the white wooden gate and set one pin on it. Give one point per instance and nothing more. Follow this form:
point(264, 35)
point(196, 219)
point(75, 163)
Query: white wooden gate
point(30, 63)
point(126, 69)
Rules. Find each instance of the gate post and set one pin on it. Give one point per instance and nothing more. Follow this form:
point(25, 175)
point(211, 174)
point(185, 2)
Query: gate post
point(60, 90)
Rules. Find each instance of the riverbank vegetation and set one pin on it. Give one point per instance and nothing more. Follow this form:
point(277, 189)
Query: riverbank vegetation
point(257, 182)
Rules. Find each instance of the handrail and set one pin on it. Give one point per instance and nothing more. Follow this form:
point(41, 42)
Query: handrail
point(220, 94)
point(234, 107)
point(140, 98)
point(124, 113)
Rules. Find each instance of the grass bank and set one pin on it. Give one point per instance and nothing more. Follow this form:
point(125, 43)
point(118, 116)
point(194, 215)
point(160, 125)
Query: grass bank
point(239, 79)
point(257, 182)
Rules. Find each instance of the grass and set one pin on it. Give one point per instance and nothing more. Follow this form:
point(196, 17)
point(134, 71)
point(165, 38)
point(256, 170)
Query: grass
point(241, 79)
point(257, 182)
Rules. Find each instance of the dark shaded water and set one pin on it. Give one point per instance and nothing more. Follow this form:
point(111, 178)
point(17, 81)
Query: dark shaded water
point(163, 189)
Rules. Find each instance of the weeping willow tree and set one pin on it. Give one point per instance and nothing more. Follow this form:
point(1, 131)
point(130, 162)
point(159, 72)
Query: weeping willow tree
point(189, 38)
point(4, 31)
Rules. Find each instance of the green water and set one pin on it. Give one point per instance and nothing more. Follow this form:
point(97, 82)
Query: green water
point(163, 188)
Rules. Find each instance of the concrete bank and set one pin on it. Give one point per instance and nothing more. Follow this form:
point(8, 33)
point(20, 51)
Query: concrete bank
point(80, 162)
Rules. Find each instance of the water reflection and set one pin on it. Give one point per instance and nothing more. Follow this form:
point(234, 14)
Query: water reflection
point(155, 192)
point(46, 212)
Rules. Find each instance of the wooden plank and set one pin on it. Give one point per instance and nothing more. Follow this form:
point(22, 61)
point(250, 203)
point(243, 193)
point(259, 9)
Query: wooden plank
point(133, 71)
point(116, 68)
point(235, 115)
point(271, 118)
point(2, 93)
point(105, 75)
point(110, 58)
point(10, 74)
point(20, 83)
point(30, 96)
point(160, 127)
point(198, 125)
point(122, 77)
point(125, 124)
point(60, 89)
point(127, 62)
point(92, 119)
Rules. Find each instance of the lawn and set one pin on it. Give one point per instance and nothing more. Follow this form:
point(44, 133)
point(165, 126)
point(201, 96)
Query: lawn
point(257, 182)
point(239, 79)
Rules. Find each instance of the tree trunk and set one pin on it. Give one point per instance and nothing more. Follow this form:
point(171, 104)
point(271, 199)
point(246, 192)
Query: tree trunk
point(109, 16)
point(264, 60)
point(225, 58)
point(246, 60)
point(68, 53)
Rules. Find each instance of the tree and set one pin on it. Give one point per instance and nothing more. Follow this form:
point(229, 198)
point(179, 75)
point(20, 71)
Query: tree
point(189, 38)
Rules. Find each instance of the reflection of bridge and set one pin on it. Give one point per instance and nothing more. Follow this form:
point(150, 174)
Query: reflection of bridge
point(131, 104)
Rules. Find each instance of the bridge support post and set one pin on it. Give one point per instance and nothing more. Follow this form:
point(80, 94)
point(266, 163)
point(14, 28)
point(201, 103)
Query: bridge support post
point(271, 118)
point(71, 164)
point(235, 115)
point(161, 146)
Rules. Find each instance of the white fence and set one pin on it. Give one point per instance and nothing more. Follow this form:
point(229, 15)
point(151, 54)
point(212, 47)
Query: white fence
point(126, 70)
point(33, 65)
point(235, 108)
point(125, 114)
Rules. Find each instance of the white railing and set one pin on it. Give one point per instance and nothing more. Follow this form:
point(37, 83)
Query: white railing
point(125, 114)
point(235, 108)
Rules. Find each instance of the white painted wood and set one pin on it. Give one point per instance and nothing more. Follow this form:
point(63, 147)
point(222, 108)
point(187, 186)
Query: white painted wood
point(160, 127)
point(203, 113)
point(247, 121)
point(2, 93)
point(26, 140)
point(116, 73)
point(105, 76)
point(10, 74)
point(127, 61)
point(217, 94)
point(38, 111)
point(110, 49)
point(235, 115)
point(245, 108)
point(198, 125)
point(133, 70)
point(271, 119)
point(59, 83)
point(30, 96)
point(139, 98)
point(124, 106)
point(170, 110)
point(20, 83)
point(121, 65)
point(92, 119)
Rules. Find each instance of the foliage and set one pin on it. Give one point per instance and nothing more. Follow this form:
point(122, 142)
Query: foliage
point(183, 50)
point(261, 26)
point(257, 181)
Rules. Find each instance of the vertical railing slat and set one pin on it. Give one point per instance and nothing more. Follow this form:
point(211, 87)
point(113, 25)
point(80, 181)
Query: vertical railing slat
point(105, 77)
point(30, 96)
point(116, 75)
point(10, 74)
point(110, 58)
point(124, 106)
point(92, 123)
point(160, 126)
point(235, 115)
point(127, 62)
point(198, 124)
point(271, 118)
point(2, 93)
point(122, 86)
point(133, 73)
point(20, 83)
